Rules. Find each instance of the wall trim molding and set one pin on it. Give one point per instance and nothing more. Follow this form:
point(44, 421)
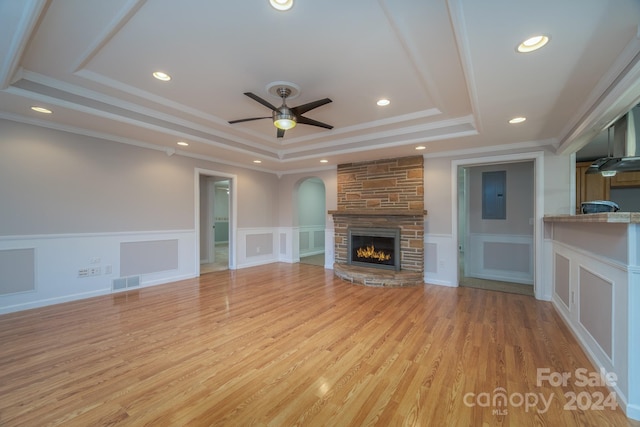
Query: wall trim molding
point(93, 234)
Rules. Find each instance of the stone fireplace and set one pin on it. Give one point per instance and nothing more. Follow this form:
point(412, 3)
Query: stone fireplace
point(380, 197)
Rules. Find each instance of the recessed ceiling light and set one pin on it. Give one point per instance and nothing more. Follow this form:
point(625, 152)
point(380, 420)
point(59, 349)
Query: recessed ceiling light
point(421, 147)
point(517, 120)
point(161, 76)
point(184, 144)
point(41, 109)
point(533, 43)
point(324, 161)
point(257, 161)
point(383, 102)
point(281, 4)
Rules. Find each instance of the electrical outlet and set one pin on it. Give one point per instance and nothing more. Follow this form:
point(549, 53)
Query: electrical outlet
point(88, 272)
point(258, 249)
point(94, 260)
point(108, 269)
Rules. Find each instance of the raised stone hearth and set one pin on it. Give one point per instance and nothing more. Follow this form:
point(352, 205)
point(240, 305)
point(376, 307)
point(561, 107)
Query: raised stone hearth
point(375, 277)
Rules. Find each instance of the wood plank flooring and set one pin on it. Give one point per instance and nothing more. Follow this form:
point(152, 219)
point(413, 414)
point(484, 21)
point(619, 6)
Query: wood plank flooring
point(490, 285)
point(221, 260)
point(290, 345)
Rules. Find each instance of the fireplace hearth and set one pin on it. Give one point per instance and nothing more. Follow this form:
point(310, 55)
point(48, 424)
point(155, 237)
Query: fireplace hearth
point(374, 247)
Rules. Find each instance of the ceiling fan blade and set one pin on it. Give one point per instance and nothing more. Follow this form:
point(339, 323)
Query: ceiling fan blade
point(307, 121)
point(301, 109)
point(261, 101)
point(280, 133)
point(249, 119)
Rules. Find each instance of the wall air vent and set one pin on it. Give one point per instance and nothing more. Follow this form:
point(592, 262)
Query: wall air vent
point(125, 283)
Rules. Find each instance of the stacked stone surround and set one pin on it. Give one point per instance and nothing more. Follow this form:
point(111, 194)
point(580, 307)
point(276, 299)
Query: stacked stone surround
point(385, 193)
point(396, 184)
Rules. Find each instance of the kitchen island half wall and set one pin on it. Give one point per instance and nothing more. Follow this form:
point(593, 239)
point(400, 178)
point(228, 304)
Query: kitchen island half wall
point(594, 264)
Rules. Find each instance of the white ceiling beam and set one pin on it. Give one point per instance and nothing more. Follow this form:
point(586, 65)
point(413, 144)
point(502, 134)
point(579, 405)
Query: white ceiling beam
point(18, 20)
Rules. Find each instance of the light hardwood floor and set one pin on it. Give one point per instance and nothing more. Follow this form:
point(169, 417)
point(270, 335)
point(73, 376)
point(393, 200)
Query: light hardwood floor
point(221, 260)
point(317, 259)
point(491, 285)
point(287, 345)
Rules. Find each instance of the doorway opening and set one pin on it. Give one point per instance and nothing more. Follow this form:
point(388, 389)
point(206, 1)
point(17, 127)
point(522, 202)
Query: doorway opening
point(215, 221)
point(496, 233)
point(311, 212)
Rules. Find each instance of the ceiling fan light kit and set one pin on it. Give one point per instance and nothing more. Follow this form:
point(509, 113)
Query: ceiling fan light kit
point(284, 121)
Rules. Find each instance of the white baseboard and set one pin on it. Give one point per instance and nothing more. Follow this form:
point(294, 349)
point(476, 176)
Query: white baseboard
point(51, 301)
point(437, 282)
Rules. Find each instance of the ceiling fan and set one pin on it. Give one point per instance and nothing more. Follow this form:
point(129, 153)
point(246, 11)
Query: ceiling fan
point(285, 118)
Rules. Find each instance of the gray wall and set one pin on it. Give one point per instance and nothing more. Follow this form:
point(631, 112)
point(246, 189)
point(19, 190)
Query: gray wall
point(627, 198)
point(56, 182)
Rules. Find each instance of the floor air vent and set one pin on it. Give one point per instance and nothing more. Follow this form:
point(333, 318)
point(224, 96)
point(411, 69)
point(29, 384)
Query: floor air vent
point(126, 283)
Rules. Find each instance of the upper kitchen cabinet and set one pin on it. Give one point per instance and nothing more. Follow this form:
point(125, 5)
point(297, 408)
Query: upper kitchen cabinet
point(625, 179)
point(590, 187)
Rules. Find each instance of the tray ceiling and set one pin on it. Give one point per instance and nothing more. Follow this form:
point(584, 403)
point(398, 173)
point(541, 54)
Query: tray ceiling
point(449, 68)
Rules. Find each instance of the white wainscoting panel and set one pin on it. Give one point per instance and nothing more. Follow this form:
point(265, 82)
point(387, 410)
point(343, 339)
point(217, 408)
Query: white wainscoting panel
point(612, 356)
point(287, 244)
point(311, 239)
point(504, 257)
point(442, 246)
point(329, 250)
point(63, 263)
point(251, 246)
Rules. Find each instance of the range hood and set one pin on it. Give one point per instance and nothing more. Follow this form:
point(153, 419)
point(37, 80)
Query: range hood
point(623, 151)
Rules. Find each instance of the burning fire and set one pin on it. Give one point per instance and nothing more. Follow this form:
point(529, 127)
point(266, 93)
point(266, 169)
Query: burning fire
point(370, 252)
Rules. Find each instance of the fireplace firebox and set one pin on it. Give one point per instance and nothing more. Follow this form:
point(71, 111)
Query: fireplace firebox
point(374, 247)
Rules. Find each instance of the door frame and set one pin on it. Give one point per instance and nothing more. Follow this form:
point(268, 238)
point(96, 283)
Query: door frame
point(233, 214)
point(541, 289)
point(211, 194)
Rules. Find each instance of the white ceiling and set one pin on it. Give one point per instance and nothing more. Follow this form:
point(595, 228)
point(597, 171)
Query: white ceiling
point(449, 67)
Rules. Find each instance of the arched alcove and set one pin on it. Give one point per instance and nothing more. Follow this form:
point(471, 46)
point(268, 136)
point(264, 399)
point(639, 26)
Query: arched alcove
point(309, 217)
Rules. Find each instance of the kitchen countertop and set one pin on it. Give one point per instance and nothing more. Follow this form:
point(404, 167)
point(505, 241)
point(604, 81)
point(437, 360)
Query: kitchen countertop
point(604, 217)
